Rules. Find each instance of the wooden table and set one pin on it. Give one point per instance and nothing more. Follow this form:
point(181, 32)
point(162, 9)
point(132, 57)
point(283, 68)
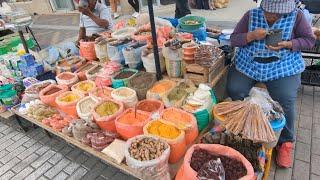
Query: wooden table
point(123, 167)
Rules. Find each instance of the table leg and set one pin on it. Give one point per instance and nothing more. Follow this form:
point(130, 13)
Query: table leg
point(24, 43)
point(47, 133)
point(24, 128)
point(30, 30)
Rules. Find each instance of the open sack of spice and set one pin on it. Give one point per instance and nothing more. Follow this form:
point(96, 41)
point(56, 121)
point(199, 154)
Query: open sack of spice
point(213, 161)
point(246, 119)
point(253, 152)
point(148, 155)
point(176, 96)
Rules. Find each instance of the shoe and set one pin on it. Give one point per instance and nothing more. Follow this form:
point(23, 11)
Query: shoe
point(135, 14)
point(284, 158)
point(116, 15)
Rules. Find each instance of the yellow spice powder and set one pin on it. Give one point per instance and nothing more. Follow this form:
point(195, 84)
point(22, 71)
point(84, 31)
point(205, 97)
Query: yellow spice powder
point(163, 130)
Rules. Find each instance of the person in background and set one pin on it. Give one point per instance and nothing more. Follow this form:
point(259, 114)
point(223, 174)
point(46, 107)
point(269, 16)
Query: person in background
point(202, 4)
point(282, 74)
point(182, 8)
point(135, 5)
point(94, 18)
point(114, 8)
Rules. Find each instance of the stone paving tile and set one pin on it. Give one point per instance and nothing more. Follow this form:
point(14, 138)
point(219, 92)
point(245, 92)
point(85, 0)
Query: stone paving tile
point(9, 165)
point(78, 174)
point(95, 171)
point(304, 135)
point(42, 150)
point(301, 170)
point(12, 154)
point(315, 164)
point(61, 176)
point(39, 171)
point(109, 172)
point(25, 162)
point(302, 152)
point(316, 131)
point(57, 168)
point(314, 177)
point(30, 150)
point(55, 158)
point(42, 159)
point(24, 173)
point(315, 146)
point(3, 153)
point(306, 122)
point(7, 175)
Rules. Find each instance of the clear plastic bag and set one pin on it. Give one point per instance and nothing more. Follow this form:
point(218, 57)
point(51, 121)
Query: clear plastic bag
point(212, 170)
point(156, 169)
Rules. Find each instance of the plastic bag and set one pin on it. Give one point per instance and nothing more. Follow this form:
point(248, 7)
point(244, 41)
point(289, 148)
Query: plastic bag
point(171, 54)
point(213, 168)
point(125, 95)
point(186, 172)
point(261, 97)
point(156, 169)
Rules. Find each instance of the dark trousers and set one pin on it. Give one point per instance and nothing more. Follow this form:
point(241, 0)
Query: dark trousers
point(202, 4)
point(283, 90)
point(182, 8)
point(134, 4)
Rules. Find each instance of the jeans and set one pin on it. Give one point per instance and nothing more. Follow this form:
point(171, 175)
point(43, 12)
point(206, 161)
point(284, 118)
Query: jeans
point(283, 90)
point(182, 8)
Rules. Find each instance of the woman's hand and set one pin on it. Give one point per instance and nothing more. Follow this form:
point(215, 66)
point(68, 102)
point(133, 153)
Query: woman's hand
point(86, 11)
point(281, 45)
point(257, 34)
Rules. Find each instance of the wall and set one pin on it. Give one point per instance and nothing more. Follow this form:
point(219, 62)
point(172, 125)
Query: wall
point(34, 6)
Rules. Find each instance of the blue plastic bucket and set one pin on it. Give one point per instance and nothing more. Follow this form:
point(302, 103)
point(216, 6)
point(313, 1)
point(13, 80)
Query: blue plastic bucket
point(277, 126)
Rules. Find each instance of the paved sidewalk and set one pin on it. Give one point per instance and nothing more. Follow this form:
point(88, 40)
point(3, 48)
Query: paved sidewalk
point(33, 155)
point(306, 163)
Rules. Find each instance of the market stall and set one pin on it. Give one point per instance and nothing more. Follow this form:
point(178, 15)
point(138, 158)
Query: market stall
point(147, 99)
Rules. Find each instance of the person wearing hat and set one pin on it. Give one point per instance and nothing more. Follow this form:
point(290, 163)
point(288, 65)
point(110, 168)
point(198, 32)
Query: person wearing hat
point(279, 66)
point(94, 18)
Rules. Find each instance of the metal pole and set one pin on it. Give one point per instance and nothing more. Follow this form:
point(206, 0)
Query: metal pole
point(24, 43)
point(154, 39)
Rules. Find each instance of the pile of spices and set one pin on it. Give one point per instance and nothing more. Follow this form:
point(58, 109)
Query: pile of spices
point(162, 86)
point(148, 106)
point(124, 75)
point(70, 97)
point(234, 169)
point(36, 88)
point(107, 108)
point(247, 148)
point(133, 118)
point(52, 91)
point(124, 92)
point(177, 94)
point(85, 86)
point(181, 120)
point(142, 80)
point(163, 130)
point(66, 76)
point(146, 149)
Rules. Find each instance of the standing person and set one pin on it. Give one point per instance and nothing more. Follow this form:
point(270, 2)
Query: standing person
point(182, 8)
point(135, 5)
point(282, 74)
point(94, 18)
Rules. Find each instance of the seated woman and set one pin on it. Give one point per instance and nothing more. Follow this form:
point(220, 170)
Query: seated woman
point(282, 74)
point(94, 18)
